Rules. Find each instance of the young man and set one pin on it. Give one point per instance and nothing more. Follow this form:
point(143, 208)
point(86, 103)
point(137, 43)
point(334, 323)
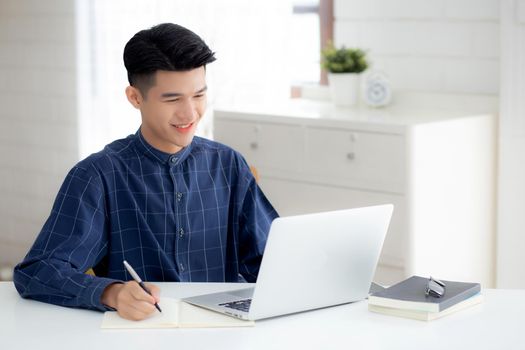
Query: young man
point(175, 206)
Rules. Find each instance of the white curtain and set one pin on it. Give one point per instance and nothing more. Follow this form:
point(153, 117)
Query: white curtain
point(250, 38)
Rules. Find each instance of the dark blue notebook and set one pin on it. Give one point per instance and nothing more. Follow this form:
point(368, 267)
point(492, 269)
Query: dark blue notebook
point(410, 295)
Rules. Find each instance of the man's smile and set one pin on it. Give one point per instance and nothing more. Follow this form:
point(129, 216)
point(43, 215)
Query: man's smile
point(183, 127)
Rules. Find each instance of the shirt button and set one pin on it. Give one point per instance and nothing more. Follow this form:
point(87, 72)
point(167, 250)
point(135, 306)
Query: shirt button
point(174, 160)
point(179, 196)
point(181, 232)
point(181, 266)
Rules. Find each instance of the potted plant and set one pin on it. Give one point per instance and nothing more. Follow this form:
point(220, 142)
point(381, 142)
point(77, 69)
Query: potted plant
point(344, 66)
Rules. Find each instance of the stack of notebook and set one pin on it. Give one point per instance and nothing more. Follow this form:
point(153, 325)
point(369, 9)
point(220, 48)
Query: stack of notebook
point(408, 299)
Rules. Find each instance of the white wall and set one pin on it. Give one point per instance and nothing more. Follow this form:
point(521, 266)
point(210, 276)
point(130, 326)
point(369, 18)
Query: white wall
point(511, 216)
point(38, 124)
point(445, 46)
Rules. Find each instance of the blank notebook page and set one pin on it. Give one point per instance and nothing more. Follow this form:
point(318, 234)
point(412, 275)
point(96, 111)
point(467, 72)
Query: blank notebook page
point(175, 313)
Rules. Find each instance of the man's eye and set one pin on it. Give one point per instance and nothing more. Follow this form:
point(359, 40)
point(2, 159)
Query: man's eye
point(173, 100)
point(199, 96)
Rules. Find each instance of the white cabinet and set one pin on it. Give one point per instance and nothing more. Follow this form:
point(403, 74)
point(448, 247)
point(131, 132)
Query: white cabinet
point(437, 168)
point(355, 158)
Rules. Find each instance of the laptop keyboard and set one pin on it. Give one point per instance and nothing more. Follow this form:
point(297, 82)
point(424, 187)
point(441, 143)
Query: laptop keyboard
point(241, 305)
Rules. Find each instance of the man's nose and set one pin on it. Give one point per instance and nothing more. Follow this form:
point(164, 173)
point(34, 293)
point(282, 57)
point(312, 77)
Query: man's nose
point(187, 110)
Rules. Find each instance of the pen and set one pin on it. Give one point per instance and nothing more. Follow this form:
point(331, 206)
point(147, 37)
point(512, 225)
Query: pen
point(138, 280)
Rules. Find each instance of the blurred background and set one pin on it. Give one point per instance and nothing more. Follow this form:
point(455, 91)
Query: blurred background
point(62, 84)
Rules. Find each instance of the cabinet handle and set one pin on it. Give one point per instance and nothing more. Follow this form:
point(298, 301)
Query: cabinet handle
point(254, 145)
point(350, 156)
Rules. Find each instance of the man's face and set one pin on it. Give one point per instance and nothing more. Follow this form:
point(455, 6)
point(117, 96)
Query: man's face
point(172, 109)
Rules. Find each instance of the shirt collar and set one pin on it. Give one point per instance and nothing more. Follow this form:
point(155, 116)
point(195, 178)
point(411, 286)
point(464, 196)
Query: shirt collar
point(158, 155)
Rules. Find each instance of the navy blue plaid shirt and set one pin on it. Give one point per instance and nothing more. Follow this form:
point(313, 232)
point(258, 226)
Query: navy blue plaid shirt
point(194, 216)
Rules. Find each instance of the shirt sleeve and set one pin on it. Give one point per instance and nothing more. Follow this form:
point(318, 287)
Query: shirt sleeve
point(73, 239)
point(255, 218)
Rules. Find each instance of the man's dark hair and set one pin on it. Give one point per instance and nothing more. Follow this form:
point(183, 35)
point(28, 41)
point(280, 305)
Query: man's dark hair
point(166, 46)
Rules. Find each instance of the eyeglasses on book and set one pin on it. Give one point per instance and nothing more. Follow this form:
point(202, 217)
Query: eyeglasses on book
point(435, 288)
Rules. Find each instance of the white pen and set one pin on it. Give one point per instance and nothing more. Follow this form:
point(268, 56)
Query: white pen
point(138, 280)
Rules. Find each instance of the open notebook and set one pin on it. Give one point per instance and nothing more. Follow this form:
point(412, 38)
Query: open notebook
point(175, 314)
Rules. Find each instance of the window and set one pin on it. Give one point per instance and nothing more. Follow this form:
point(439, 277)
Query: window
point(305, 42)
point(262, 48)
point(312, 29)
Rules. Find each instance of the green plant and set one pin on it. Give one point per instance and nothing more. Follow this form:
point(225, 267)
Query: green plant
point(343, 60)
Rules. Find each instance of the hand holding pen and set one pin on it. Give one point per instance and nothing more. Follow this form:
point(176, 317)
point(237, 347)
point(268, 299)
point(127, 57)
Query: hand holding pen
point(139, 281)
point(130, 300)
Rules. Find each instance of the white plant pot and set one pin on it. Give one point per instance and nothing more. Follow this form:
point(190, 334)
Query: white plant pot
point(344, 88)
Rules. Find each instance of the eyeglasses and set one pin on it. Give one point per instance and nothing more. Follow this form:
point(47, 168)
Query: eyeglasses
point(435, 288)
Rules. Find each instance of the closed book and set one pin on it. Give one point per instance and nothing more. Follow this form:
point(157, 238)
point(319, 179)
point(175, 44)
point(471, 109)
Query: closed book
point(425, 315)
point(410, 295)
point(175, 314)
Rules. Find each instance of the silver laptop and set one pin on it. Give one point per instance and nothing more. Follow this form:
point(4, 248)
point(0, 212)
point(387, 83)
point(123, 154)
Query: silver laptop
point(310, 262)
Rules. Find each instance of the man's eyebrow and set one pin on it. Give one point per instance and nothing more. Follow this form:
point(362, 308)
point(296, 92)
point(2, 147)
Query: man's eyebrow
point(170, 94)
point(202, 90)
point(177, 94)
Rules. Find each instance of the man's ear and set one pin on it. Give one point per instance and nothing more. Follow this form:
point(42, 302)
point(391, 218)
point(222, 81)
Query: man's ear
point(134, 96)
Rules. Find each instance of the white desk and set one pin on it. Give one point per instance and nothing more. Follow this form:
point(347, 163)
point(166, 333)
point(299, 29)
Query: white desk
point(498, 323)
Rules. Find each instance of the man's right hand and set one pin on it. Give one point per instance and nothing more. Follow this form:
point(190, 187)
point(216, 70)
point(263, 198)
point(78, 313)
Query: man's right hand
point(130, 300)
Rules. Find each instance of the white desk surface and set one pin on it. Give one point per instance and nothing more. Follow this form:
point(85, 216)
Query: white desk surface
point(497, 323)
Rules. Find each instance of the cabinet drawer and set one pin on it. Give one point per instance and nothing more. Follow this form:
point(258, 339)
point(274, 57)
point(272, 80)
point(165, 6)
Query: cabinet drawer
point(295, 198)
point(267, 146)
point(357, 159)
